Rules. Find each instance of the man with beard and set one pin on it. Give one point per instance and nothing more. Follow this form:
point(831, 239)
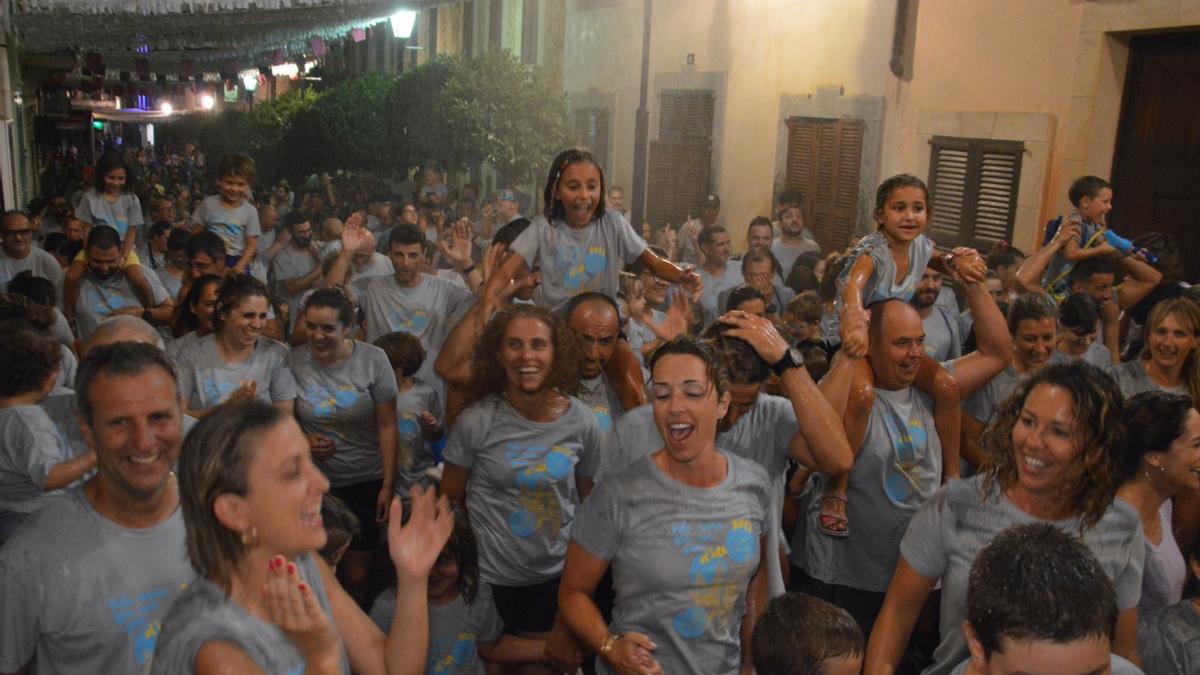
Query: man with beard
point(942, 340)
point(105, 290)
point(297, 267)
point(86, 582)
point(794, 238)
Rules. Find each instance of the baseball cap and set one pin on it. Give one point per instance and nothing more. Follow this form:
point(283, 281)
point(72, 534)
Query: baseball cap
point(710, 201)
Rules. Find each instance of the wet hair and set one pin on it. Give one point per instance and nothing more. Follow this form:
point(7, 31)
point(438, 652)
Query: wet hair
point(1003, 254)
point(686, 345)
point(236, 165)
point(404, 351)
point(103, 237)
point(507, 234)
point(816, 358)
point(110, 162)
point(590, 297)
point(234, 290)
point(335, 298)
point(465, 549)
point(835, 264)
point(1187, 313)
point(69, 249)
point(157, 229)
point(797, 633)
point(1040, 583)
point(802, 278)
point(405, 234)
point(188, 321)
point(38, 290)
point(740, 294)
point(1084, 270)
point(1078, 311)
point(884, 192)
point(1030, 307)
point(341, 525)
point(705, 238)
point(215, 460)
point(805, 306)
point(1152, 421)
point(1086, 186)
point(28, 358)
point(488, 377)
point(743, 365)
point(119, 359)
point(554, 208)
point(1096, 473)
point(206, 242)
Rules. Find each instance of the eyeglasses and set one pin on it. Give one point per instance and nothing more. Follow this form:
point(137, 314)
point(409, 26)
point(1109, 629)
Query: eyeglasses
point(16, 234)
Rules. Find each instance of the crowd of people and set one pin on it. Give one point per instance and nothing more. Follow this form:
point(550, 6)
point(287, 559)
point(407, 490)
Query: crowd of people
point(393, 425)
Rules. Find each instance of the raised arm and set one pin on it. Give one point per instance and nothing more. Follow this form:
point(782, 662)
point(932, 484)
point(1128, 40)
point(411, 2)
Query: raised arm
point(1029, 276)
point(1140, 279)
point(993, 341)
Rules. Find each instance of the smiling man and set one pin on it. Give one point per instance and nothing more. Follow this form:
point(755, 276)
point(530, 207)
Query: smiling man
point(105, 290)
point(85, 583)
point(18, 254)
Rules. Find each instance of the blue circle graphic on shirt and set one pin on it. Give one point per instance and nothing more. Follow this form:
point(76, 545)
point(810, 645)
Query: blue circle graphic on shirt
point(345, 397)
point(522, 523)
point(558, 464)
point(463, 650)
point(407, 426)
point(741, 545)
point(595, 261)
point(691, 622)
point(415, 323)
point(603, 419)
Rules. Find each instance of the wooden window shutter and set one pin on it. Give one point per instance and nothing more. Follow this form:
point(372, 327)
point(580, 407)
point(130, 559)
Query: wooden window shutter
point(973, 184)
point(680, 170)
point(823, 160)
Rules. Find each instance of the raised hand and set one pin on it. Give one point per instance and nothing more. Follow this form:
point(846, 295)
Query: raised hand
point(759, 332)
point(415, 546)
point(291, 605)
point(677, 318)
point(458, 250)
point(354, 234)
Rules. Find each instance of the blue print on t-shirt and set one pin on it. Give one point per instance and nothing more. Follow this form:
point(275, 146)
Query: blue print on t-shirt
point(450, 653)
point(578, 267)
point(216, 391)
point(326, 402)
point(134, 615)
point(603, 418)
point(538, 469)
point(417, 322)
point(902, 481)
point(717, 551)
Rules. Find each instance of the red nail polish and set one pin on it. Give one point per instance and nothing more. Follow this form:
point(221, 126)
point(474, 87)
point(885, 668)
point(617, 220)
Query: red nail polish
point(270, 564)
point(291, 568)
point(302, 586)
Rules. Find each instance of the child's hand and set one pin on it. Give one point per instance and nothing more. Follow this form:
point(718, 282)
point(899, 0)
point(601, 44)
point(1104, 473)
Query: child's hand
point(1066, 232)
point(291, 605)
point(428, 422)
point(248, 390)
point(320, 446)
point(854, 325)
point(969, 265)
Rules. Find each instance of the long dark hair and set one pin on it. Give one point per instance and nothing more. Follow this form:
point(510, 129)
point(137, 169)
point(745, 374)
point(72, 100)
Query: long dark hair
point(234, 289)
point(553, 208)
point(106, 165)
point(188, 321)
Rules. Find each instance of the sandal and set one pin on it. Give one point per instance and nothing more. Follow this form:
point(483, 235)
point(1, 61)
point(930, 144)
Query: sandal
point(833, 524)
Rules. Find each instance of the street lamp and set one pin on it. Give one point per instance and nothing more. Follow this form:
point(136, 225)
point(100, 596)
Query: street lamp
point(207, 102)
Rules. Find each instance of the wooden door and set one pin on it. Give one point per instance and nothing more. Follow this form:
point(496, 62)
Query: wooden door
point(680, 168)
point(1156, 168)
point(823, 164)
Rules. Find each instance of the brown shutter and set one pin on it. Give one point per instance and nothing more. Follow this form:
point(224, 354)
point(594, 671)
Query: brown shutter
point(823, 164)
point(680, 168)
point(973, 184)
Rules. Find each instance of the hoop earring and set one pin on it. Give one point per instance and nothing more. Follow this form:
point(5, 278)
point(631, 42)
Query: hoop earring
point(250, 537)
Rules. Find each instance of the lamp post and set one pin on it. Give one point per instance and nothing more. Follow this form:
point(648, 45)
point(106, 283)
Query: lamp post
point(641, 131)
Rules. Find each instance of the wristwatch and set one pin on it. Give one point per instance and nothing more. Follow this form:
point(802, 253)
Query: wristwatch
point(792, 358)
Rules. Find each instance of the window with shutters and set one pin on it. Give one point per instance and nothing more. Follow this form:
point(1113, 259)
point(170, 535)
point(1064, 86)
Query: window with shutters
point(823, 160)
point(680, 166)
point(973, 186)
point(591, 131)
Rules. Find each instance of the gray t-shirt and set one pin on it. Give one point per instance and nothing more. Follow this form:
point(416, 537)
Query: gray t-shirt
point(429, 311)
point(204, 613)
point(521, 496)
point(577, 260)
point(1131, 377)
point(455, 630)
point(30, 446)
point(947, 534)
point(380, 266)
point(1117, 666)
point(292, 263)
point(68, 366)
point(170, 283)
point(120, 215)
point(206, 380)
point(81, 594)
point(99, 299)
point(682, 558)
point(898, 468)
point(786, 254)
point(339, 403)
point(715, 286)
point(410, 404)
point(1165, 571)
point(604, 404)
point(883, 284)
point(640, 334)
point(39, 263)
point(942, 339)
point(1167, 642)
point(231, 225)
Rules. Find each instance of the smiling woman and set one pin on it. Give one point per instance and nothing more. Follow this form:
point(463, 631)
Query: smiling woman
point(1169, 361)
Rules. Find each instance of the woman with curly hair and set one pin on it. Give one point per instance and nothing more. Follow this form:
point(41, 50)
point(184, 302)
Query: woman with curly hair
point(1050, 455)
point(521, 456)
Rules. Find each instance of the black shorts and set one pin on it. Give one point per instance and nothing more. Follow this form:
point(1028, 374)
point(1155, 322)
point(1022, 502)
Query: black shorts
point(360, 499)
point(527, 609)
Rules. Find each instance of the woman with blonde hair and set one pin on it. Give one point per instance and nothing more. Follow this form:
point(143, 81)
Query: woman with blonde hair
point(1168, 361)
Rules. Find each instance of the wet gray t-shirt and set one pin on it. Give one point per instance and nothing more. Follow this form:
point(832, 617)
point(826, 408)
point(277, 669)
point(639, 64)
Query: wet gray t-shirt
point(883, 284)
point(573, 260)
point(99, 299)
point(1168, 643)
point(715, 286)
point(681, 557)
point(1131, 377)
point(607, 408)
point(898, 468)
point(30, 446)
point(421, 397)
point(948, 532)
point(339, 402)
point(942, 340)
point(206, 380)
point(455, 630)
point(204, 613)
point(521, 495)
point(82, 594)
point(1165, 570)
point(984, 404)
